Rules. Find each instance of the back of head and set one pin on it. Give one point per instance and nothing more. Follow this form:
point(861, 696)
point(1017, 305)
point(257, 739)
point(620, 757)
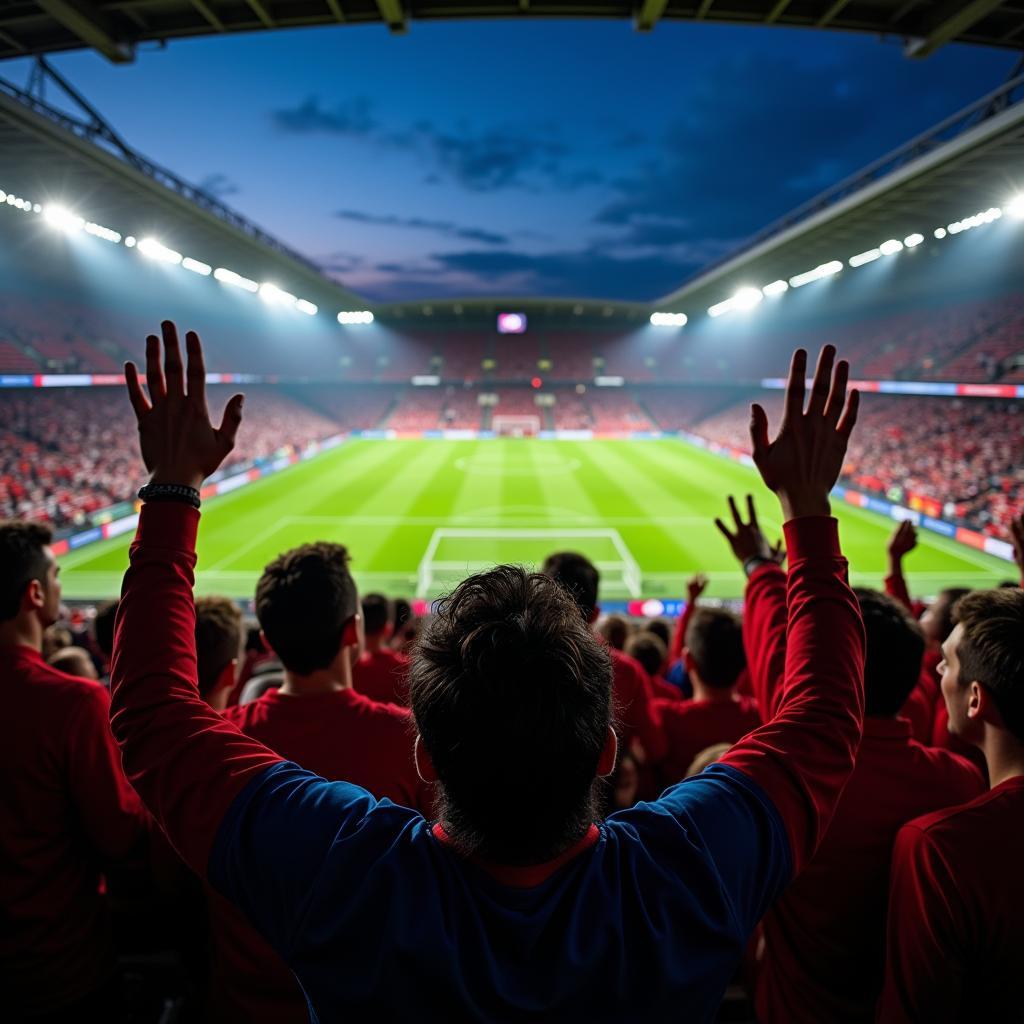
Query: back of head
point(649, 650)
point(615, 629)
point(376, 614)
point(401, 613)
point(220, 633)
point(895, 650)
point(714, 642)
point(661, 629)
point(103, 628)
point(511, 693)
point(991, 649)
point(937, 621)
point(578, 575)
point(75, 661)
point(22, 559)
point(304, 600)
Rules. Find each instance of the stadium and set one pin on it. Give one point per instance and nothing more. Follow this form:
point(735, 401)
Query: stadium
point(439, 436)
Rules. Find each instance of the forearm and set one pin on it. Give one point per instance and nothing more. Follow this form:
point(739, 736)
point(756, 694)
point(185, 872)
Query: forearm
point(764, 635)
point(183, 759)
point(803, 756)
point(896, 584)
point(679, 637)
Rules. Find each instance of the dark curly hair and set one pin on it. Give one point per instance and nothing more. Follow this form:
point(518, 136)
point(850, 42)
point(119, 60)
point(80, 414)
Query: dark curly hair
point(304, 600)
point(511, 693)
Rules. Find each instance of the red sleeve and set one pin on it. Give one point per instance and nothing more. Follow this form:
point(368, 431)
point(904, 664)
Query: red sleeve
point(679, 637)
point(764, 636)
point(107, 807)
point(896, 587)
point(925, 959)
point(803, 756)
point(185, 761)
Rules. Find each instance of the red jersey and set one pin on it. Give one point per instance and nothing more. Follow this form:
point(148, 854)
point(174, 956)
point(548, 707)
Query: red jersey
point(824, 940)
point(382, 676)
point(691, 726)
point(634, 706)
point(65, 809)
point(340, 736)
point(956, 914)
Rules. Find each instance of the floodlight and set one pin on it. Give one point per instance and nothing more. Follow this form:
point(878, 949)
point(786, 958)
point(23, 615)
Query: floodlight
point(1015, 207)
point(304, 306)
point(355, 316)
point(99, 231)
point(668, 319)
point(864, 257)
point(197, 266)
point(226, 276)
point(154, 250)
point(940, 232)
point(747, 298)
point(776, 288)
point(271, 293)
point(914, 240)
point(130, 241)
point(822, 270)
point(890, 247)
point(59, 216)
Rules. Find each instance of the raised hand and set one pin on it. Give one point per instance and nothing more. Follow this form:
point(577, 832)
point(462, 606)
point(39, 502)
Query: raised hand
point(695, 586)
point(902, 542)
point(748, 541)
point(1017, 537)
point(179, 444)
point(803, 463)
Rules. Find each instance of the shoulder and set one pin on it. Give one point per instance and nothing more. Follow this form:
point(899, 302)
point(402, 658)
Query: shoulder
point(954, 769)
point(953, 828)
point(626, 667)
point(385, 715)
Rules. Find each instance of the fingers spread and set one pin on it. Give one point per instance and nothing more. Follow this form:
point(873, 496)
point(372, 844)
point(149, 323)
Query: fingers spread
point(154, 372)
point(837, 397)
point(796, 386)
point(822, 380)
point(173, 370)
point(196, 367)
point(758, 429)
point(135, 395)
point(735, 511)
point(723, 530)
point(230, 421)
point(751, 511)
point(849, 420)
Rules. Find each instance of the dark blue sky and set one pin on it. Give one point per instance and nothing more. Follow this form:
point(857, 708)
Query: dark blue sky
point(532, 157)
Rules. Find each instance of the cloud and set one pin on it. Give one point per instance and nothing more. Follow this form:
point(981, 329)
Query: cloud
point(441, 227)
point(219, 185)
point(352, 117)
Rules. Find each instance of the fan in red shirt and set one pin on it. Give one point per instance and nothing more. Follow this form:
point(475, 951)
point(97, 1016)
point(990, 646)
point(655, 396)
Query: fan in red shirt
point(824, 940)
point(631, 690)
point(714, 658)
point(309, 611)
point(380, 673)
point(956, 908)
point(651, 652)
point(66, 810)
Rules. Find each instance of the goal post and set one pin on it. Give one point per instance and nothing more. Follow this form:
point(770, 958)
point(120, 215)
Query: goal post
point(515, 426)
point(457, 552)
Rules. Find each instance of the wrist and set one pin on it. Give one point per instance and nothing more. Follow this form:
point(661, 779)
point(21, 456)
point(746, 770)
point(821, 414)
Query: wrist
point(797, 506)
point(177, 478)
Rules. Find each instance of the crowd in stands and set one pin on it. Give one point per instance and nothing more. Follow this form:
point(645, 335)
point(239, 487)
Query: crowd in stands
point(515, 807)
point(65, 453)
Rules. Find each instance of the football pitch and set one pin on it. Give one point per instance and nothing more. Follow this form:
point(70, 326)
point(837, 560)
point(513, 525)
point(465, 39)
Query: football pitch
point(418, 515)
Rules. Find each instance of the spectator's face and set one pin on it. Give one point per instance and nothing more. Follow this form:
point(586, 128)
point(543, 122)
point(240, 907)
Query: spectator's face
point(954, 693)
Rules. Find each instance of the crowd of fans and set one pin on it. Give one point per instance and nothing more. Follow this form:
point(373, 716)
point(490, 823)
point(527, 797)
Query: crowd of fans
point(833, 780)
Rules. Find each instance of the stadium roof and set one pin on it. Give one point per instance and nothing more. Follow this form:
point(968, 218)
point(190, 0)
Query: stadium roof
point(115, 28)
point(76, 160)
point(967, 164)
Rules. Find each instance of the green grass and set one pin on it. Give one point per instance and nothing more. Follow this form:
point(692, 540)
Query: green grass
point(655, 500)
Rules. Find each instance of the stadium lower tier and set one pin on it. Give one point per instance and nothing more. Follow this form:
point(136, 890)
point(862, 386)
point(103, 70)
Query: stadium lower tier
point(68, 454)
point(418, 515)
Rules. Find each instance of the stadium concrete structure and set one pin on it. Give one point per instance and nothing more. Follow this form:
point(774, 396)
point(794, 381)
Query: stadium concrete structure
point(114, 28)
point(64, 164)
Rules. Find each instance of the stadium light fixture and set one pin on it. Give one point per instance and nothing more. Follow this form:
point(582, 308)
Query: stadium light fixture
point(226, 276)
point(914, 240)
point(355, 316)
point(864, 257)
point(890, 247)
point(776, 288)
point(130, 241)
point(99, 231)
point(744, 299)
point(819, 272)
point(272, 293)
point(668, 319)
point(940, 233)
point(61, 217)
point(154, 250)
point(1015, 207)
point(197, 266)
point(304, 306)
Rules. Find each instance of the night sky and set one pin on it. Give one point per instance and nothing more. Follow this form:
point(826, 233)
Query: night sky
point(532, 157)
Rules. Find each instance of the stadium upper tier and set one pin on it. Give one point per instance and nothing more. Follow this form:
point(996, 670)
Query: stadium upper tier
point(116, 29)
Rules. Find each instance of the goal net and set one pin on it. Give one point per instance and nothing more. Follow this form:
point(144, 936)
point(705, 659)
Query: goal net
point(516, 426)
point(455, 553)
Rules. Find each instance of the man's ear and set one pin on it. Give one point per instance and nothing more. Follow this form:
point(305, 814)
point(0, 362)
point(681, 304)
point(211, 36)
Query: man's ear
point(595, 614)
point(980, 705)
point(424, 766)
point(35, 595)
point(606, 765)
